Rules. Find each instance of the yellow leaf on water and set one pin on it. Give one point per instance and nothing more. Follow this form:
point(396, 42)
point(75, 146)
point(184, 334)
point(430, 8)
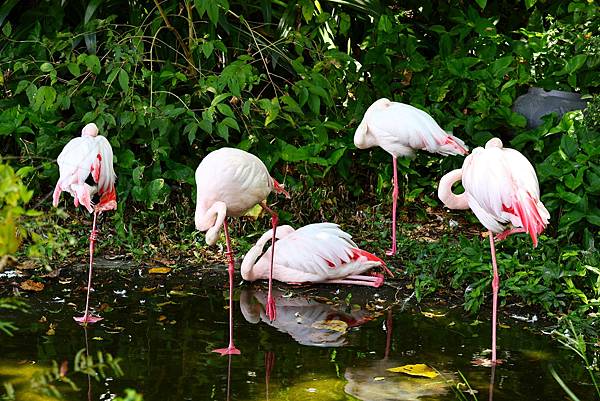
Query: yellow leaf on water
point(432, 314)
point(419, 369)
point(159, 270)
point(378, 378)
point(333, 325)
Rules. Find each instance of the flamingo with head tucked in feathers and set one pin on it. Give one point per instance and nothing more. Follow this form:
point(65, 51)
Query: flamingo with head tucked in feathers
point(400, 129)
point(316, 253)
point(502, 189)
point(86, 172)
point(230, 182)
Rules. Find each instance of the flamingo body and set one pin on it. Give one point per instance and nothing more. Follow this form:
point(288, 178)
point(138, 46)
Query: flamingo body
point(501, 187)
point(400, 129)
point(89, 154)
point(316, 253)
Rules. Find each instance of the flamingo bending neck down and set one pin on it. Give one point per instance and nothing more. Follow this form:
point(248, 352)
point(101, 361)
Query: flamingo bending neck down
point(86, 172)
point(230, 182)
point(400, 129)
point(501, 188)
point(316, 253)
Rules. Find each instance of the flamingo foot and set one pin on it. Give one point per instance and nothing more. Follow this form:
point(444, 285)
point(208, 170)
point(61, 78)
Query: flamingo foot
point(231, 350)
point(486, 362)
point(271, 308)
point(87, 318)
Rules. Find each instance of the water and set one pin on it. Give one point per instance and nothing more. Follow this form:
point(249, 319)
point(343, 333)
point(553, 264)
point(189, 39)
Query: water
point(326, 344)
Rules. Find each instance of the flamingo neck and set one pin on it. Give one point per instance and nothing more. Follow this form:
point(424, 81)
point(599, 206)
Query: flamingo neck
point(253, 254)
point(449, 198)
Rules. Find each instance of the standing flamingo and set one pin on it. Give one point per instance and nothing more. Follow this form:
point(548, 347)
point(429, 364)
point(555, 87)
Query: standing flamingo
point(230, 182)
point(316, 253)
point(400, 129)
point(86, 172)
point(501, 187)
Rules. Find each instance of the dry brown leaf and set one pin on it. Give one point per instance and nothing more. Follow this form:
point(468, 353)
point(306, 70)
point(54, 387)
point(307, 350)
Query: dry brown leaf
point(333, 325)
point(30, 285)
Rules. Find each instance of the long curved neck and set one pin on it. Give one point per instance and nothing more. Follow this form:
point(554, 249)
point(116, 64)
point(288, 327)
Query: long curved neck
point(210, 220)
point(450, 199)
point(253, 254)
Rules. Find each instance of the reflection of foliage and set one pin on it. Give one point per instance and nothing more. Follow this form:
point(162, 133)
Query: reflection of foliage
point(575, 341)
point(49, 383)
point(11, 304)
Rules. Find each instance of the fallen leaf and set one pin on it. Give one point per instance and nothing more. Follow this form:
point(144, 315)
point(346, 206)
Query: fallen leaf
point(432, 314)
point(504, 326)
point(159, 270)
point(419, 369)
point(333, 325)
point(98, 338)
point(254, 212)
point(148, 289)
point(161, 318)
point(30, 285)
point(378, 379)
point(51, 330)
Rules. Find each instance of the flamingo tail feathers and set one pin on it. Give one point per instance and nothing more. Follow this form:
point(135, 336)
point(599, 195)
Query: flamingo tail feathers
point(532, 213)
point(357, 253)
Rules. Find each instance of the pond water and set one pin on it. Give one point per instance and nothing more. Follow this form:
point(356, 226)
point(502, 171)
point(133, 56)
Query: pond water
point(328, 343)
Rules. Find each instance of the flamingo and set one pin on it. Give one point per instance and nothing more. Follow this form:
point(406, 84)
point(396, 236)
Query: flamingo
point(230, 182)
point(86, 171)
point(400, 129)
point(316, 253)
point(501, 187)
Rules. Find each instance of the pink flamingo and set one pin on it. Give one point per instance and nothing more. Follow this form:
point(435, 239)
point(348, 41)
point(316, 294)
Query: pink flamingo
point(86, 170)
point(230, 182)
point(501, 187)
point(316, 253)
point(400, 129)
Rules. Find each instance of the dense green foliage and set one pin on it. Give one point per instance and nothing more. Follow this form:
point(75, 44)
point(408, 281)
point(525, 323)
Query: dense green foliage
point(168, 82)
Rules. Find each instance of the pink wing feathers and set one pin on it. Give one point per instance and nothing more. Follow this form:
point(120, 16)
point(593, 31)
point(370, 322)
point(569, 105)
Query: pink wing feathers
point(401, 128)
point(502, 187)
point(315, 253)
point(81, 157)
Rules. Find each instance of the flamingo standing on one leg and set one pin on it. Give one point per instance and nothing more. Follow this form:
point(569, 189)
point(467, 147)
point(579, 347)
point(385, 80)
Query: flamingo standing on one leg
point(501, 187)
point(316, 253)
point(230, 182)
point(86, 171)
point(400, 129)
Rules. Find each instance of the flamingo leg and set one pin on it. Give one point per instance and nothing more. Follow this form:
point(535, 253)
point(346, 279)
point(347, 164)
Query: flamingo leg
point(388, 338)
point(394, 205)
point(88, 317)
point(231, 349)
point(271, 311)
point(495, 285)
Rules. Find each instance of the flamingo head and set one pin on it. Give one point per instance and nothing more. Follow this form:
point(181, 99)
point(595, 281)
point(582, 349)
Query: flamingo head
point(494, 143)
point(90, 130)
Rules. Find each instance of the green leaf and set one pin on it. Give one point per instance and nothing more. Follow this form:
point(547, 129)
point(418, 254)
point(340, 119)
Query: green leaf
point(7, 29)
point(231, 123)
point(225, 110)
point(219, 98)
point(481, 3)
point(530, 3)
point(46, 67)
point(575, 63)
point(93, 63)
point(74, 69)
point(124, 80)
point(207, 48)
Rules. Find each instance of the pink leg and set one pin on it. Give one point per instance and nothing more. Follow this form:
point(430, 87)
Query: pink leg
point(495, 285)
point(503, 235)
point(395, 202)
point(88, 317)
point(271, 311)
point(231, 349)
point(369, 281)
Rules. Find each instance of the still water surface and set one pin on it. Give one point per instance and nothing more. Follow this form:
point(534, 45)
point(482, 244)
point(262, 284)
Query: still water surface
point(327, 344)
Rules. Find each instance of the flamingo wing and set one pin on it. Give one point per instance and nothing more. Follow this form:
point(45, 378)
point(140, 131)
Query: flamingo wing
point(102, 165)
point(316, 249)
